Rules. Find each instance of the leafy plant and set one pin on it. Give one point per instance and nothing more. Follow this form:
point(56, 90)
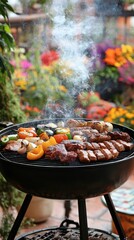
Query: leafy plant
point(9, 100)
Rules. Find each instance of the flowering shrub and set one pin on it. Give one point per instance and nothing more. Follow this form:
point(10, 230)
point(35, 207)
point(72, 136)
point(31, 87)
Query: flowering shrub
point(121, 115)
point(39, 80)
point(96, 108)
point(113, 62)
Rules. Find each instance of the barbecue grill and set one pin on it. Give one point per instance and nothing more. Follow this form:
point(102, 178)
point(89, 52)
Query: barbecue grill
point(55, 180)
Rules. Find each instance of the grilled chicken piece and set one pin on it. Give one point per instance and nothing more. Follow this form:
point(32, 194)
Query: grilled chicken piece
point(83, 156)
point(120, 135)
point(128, 145)
point(119, 146)
point(91, 155)
point(98, 137)
point(13, 145)
point(99, 155)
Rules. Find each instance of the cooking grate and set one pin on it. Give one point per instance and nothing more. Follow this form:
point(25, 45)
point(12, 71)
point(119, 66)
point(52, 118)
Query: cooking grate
point(67, 233)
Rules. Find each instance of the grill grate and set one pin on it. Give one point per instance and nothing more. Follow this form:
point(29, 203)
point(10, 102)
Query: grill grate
point(67, 233)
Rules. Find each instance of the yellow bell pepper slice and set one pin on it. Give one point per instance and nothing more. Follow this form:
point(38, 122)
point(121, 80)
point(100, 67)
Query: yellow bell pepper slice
point(49, 143)
point(35, 153)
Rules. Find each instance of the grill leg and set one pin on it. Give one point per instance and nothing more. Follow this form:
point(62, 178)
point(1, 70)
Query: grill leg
point(67, 206)
point(83, 219)
point(19, 218)
point(115, 217)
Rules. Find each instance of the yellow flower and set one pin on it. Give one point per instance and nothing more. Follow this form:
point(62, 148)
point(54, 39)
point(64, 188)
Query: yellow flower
point(122, 120)
point(62, 88)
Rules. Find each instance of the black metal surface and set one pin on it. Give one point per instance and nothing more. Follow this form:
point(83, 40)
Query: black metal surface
point(66, 233)
point(52, 179)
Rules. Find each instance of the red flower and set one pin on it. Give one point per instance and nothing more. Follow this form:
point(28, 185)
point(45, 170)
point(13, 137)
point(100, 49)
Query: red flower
point(48, 57)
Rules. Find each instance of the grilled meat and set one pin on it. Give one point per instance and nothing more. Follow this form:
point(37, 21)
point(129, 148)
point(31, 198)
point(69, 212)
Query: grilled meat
point(99, 155)
point(83, 156)
point(72, 145)
point(107, 153)
point(101, 126)
point(119, 135)
point(119, 146)
point(13, 145)
point(91, 155)
point(128, 145)
point(98, 137)
point(55, 151)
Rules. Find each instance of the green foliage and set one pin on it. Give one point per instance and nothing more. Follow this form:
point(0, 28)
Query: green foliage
point(9, 100)
point(6, 224)
point(4, 8)
point(109, 72)
point(10, 196)
point(10, 103)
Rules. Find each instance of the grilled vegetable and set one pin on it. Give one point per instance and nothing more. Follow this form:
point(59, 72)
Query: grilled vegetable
point(4, 140)
point(60, 137)
point(26, 132)
point(49, 143)
point(35, 153)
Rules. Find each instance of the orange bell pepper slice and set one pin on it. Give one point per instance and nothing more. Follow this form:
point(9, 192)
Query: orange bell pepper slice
point(35, 153)
point(49, 143)
point(27, 132)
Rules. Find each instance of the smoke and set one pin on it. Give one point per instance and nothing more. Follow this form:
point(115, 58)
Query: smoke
point(73, 29)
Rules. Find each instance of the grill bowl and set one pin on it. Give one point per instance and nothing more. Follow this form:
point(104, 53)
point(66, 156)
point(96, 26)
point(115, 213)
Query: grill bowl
point(55, 180)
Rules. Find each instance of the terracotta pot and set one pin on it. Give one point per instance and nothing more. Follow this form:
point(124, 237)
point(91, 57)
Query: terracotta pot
point(39, 209)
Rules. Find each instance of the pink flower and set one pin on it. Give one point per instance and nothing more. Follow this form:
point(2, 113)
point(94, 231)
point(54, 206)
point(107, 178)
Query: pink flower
point(25, 64)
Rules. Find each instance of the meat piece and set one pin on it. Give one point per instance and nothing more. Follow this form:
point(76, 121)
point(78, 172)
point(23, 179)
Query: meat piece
point(118, 145)
point(97, 137)
point(83, 156)
point(114, 152)
point(109, 145)
point(69, 157)
point(96, 125)
point(107, 153)
point(91, 155)
point(99, 155)
point(102, 145)
point(128, 145)
point(89, 146)
point(55, 151)
point(75, 123)
point(120, 135)
point(13, 145)
point(73, 145)
point(95, 145)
